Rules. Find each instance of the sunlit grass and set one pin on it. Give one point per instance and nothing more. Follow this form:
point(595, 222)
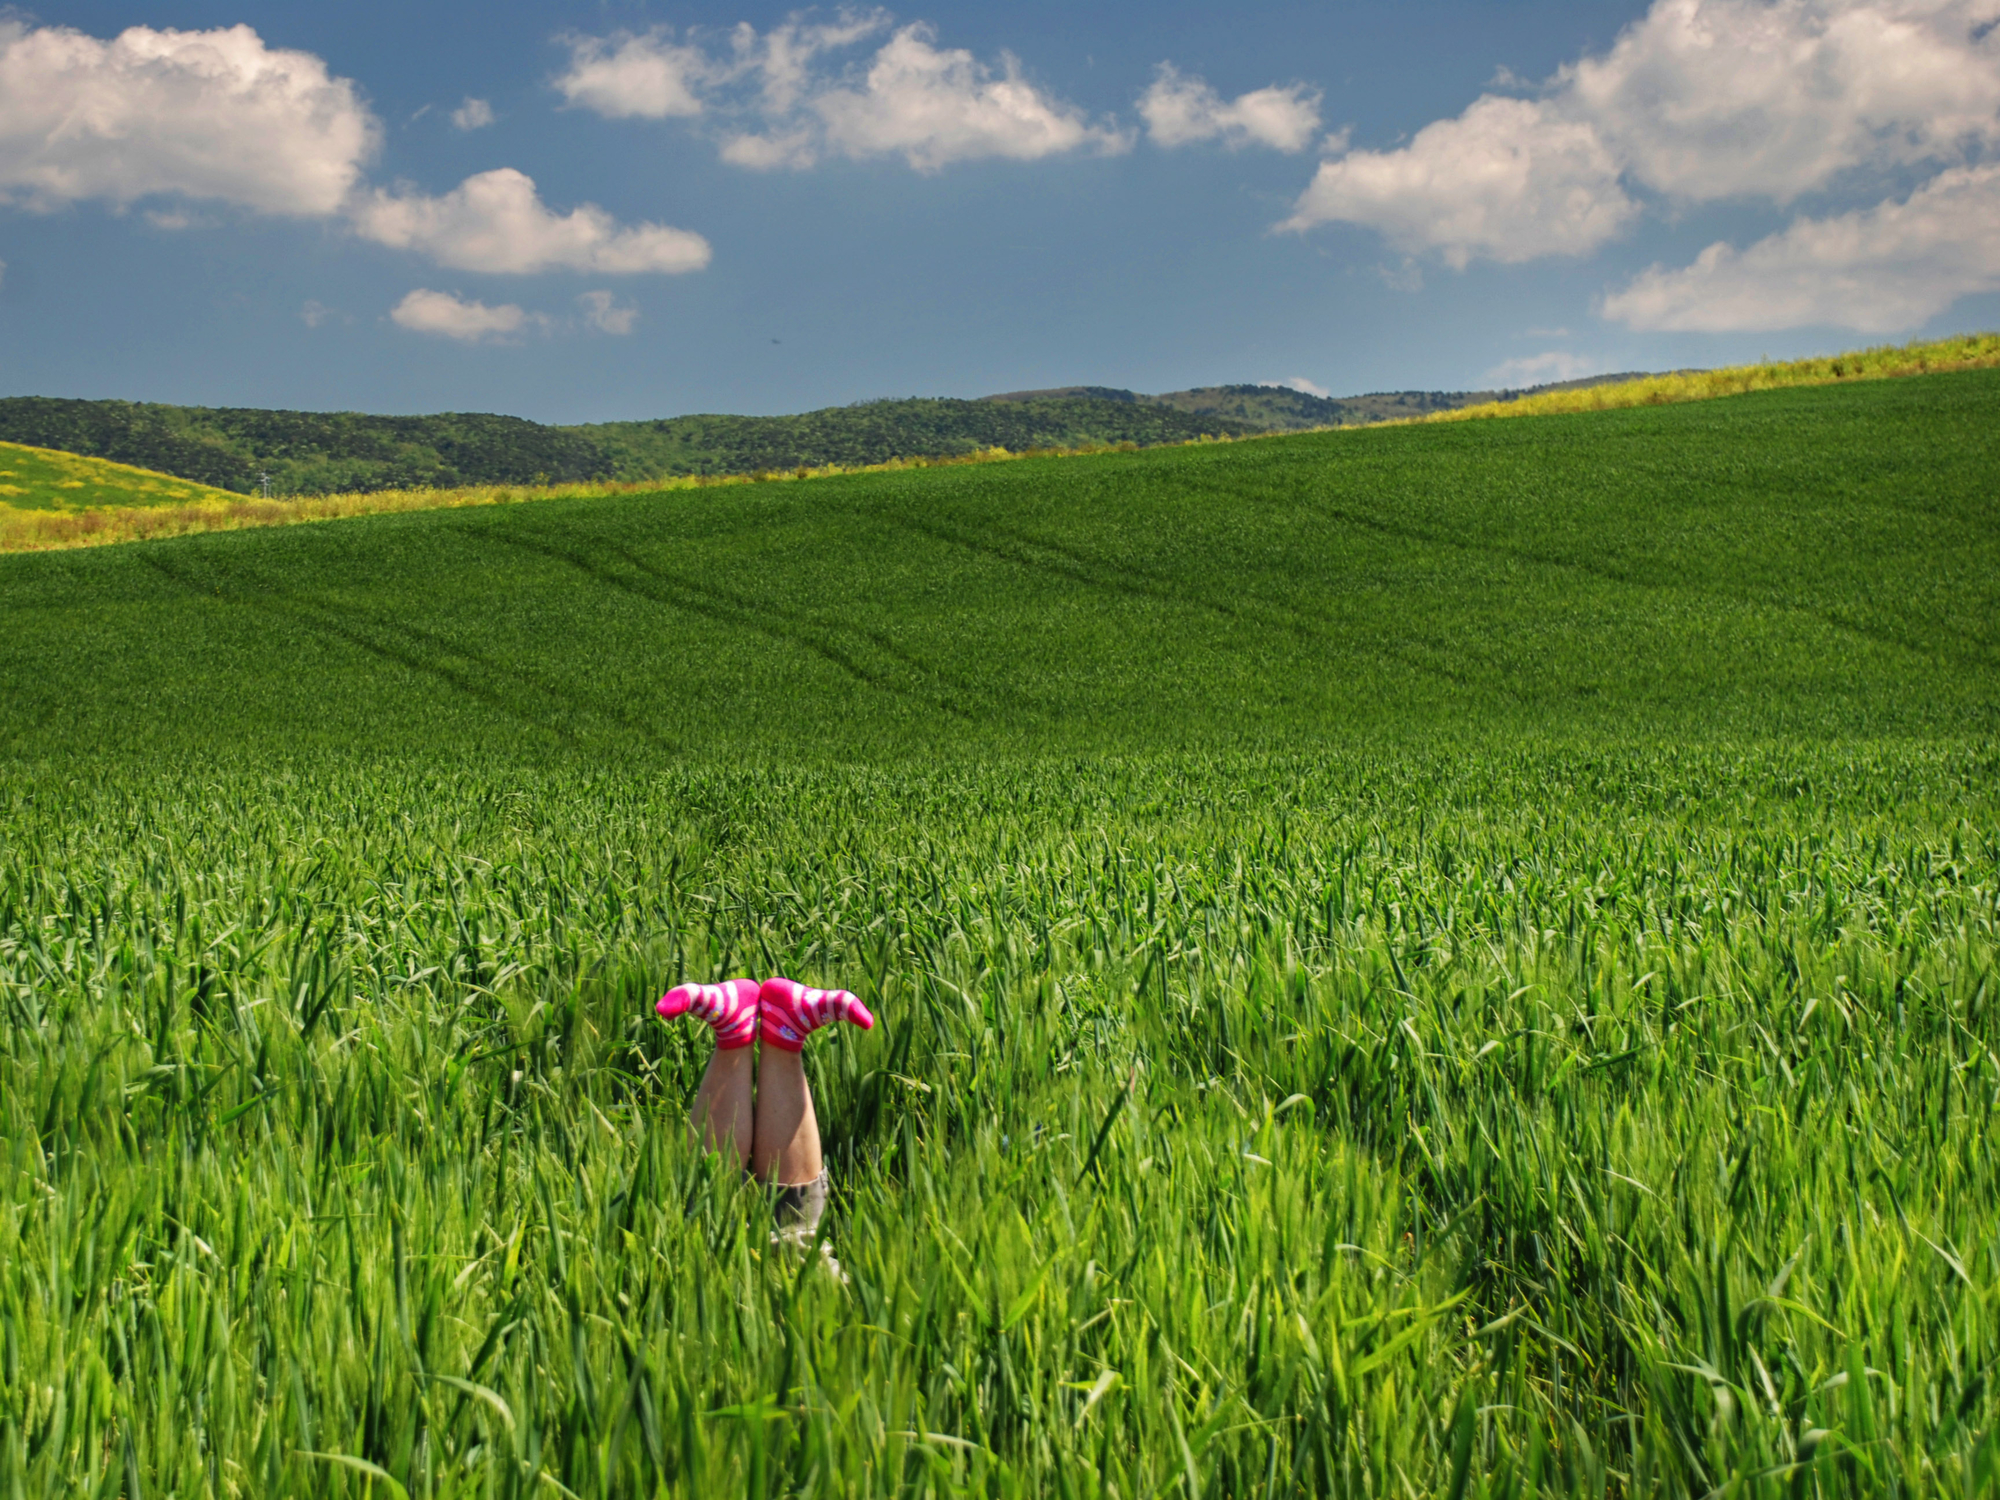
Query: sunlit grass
point(1973, 351)
point(1817, 560)
point(1448, 961)
point(161, 507)
point(42, 484)
point(87, 507)
point(1538, 1124)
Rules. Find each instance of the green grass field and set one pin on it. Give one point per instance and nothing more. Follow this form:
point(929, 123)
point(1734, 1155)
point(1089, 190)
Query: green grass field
point(1799, 562)
point(1435, 961)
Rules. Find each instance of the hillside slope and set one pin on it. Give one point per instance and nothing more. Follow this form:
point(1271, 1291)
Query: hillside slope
point(317, 453)
point(302, 452)
point(1809, 562)
point(43, 479)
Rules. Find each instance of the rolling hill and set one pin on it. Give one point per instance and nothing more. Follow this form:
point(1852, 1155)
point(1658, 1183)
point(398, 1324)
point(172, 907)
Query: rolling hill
point(875, 432)
point(45, 479)
point(304, 452)
point(1807, 561)
point(1273, 408)
point(316, 453)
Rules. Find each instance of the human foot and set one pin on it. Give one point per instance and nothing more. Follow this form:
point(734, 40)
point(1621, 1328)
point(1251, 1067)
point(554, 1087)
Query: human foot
point(729, 1008)
point(790, 1012)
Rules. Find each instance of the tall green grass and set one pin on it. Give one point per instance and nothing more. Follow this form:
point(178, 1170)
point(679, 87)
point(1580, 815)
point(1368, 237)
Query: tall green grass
point(1552, 1123)
point(1449, 961)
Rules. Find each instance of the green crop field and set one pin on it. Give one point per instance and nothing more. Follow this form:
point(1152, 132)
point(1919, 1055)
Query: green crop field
point(1447, 960)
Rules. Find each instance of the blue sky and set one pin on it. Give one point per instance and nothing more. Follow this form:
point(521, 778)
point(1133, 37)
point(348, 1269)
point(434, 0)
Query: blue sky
point(595, 211)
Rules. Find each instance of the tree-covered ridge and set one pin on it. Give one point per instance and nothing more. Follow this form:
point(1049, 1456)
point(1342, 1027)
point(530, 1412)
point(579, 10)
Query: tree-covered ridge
point(878, 431)
point(319, 453)
point(305, 453)
point(1276, 408)
point(308, 453)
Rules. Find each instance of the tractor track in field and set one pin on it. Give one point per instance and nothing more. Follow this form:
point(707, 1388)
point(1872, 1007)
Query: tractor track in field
point(352, 625)
point(1137, 583)
point(1830, 620)
point(717, 605)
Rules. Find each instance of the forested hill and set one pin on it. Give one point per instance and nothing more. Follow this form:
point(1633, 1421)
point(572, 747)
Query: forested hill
point(1277, 408)
point(311, 453)
point(308, 453)
point(876, 431)
point(304, 452)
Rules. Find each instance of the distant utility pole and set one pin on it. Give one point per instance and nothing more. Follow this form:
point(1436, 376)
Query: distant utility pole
point(267, 485)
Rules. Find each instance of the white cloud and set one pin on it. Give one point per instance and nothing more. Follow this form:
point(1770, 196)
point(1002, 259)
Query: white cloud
point(218, 115)
point(934, 106)
point(1878, 270)
point(314, 313)
point(207, 114)
point(496, 222)
point(1298, 383)
point(1179, 110)
point(1711, 99)
point(1509, 179)
point(603, 312)
point(441, 313)
point(1698, 101)
point(928, 104)
point(625, 76)
point(1549, 368)
point(781, 59)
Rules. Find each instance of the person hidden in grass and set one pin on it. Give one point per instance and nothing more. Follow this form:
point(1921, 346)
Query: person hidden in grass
point(776, 1136)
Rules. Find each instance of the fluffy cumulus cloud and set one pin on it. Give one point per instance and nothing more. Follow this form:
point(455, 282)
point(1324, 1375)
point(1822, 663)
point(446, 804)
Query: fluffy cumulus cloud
point(1878, 270)
point(935, 105)
point(220, 116)
point(644, 77)
point(784, 98)
point(497, 222)
point(1711, 100)
point(1180, 110)
point(452, 317)
point(204, 114)
point(1509, 179)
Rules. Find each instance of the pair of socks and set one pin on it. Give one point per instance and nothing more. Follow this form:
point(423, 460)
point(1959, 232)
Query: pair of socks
point(782, 1012)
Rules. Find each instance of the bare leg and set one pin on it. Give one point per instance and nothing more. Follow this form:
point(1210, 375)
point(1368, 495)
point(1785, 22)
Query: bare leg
point(720, 1118)
point(787, 1135)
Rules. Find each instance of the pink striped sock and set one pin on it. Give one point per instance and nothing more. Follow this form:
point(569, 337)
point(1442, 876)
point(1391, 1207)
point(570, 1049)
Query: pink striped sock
point(790, 1012)
point(730, 1009)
